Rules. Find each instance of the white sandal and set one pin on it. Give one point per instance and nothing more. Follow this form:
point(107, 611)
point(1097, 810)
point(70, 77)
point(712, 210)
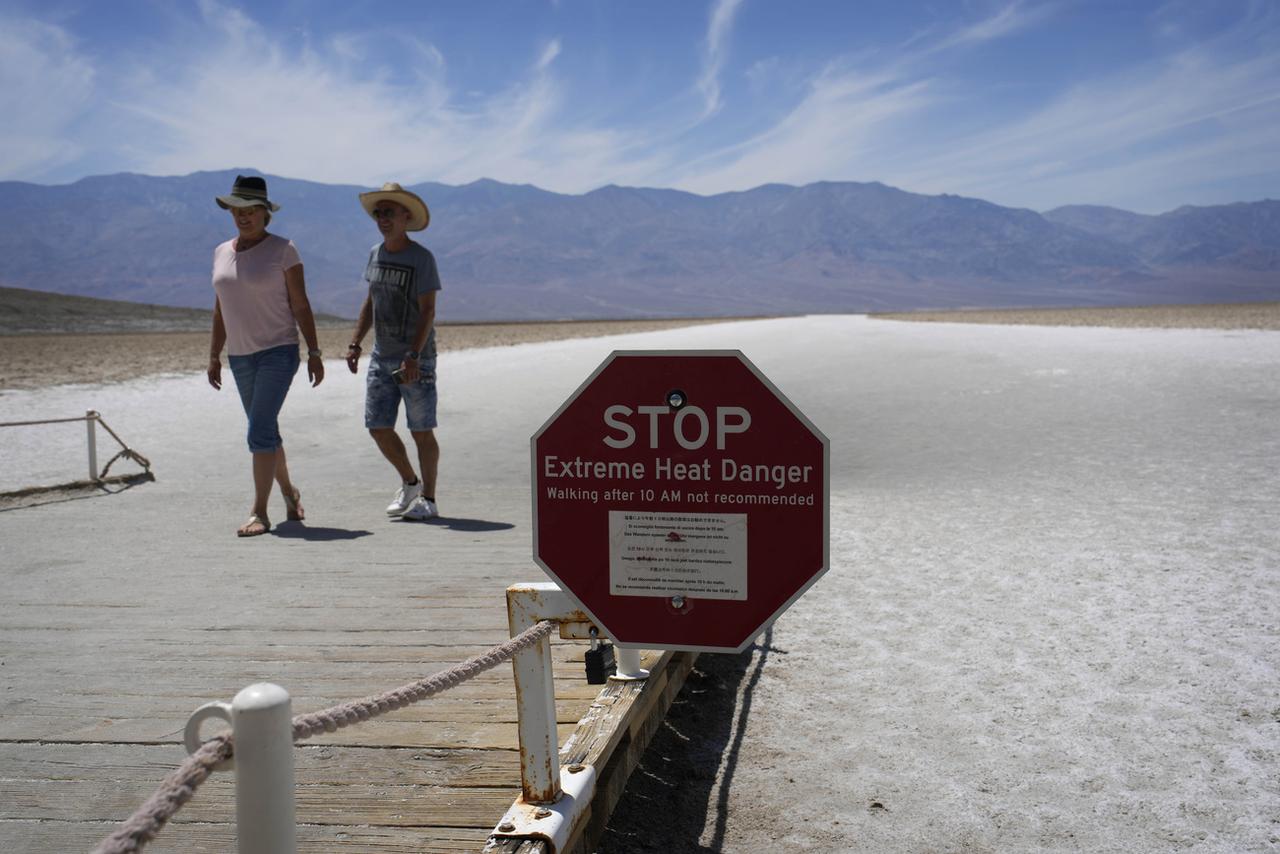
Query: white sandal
point(254, 519)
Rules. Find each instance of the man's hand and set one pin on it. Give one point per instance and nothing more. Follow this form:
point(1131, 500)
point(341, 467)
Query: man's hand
point(215, 373)
point(353, 358)
point(411, 371)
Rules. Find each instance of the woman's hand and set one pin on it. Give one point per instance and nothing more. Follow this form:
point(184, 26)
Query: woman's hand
point(315, 370)
point(217, 339)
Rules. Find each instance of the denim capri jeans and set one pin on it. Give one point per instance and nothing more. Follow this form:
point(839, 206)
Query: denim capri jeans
point(263, 379)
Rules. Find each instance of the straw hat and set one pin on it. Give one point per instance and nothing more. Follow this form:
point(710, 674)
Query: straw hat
point(419, 217)
point(247, 191)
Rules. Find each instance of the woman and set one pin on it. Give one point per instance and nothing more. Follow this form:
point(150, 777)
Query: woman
point(260, 306)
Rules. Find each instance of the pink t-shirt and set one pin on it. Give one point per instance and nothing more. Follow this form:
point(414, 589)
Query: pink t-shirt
point(251, 289)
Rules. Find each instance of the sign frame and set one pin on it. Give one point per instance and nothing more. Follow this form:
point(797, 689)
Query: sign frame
point(655, 642)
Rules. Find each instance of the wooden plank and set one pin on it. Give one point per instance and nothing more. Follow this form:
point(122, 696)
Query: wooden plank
point(498, 708)
point(184, 837)
point(642, 725)
point(377, 733)
point(318, 765)
point(358, 803)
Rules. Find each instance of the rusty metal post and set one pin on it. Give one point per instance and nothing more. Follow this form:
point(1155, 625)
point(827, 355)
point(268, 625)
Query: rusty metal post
point(528, 605)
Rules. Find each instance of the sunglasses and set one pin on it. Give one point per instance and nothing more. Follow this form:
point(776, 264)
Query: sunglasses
point(383, 213)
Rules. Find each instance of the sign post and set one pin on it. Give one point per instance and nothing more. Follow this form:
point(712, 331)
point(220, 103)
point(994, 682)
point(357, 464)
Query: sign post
point(680, 499)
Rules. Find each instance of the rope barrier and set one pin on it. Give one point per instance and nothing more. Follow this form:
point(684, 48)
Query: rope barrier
point(176, 789)
point(53, 421)
point(345, 714)
point(127, 454)
point(125, 451)
point(180, 785)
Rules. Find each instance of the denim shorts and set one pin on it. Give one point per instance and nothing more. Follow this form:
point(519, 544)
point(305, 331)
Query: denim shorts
point(383, 395)
point(263, 379)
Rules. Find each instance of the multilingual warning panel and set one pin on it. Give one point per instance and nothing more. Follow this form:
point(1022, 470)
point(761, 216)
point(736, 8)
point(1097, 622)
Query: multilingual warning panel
point(681, 499)
point(700, 555)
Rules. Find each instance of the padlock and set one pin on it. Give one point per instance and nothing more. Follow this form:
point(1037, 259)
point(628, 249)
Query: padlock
point(599, 660)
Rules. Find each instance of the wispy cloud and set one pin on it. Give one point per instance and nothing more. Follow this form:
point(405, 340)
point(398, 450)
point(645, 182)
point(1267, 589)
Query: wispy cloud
point(841, 116)
point(1008, 21)
point(1146, 136)
point(549, 54)
point(222, 89)
point(1142, 136)
point(354, 111)
point(715, 54)
point(844, 116)
point(45, 85)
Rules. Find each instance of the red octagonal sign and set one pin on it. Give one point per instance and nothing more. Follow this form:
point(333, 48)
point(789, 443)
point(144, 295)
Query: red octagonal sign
point(681, 499)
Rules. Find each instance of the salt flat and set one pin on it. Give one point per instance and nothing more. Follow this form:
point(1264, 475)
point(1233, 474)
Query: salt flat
point(1050, 623)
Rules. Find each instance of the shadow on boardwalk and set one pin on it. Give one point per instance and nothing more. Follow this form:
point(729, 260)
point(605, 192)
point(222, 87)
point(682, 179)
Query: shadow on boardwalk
point(680, 790)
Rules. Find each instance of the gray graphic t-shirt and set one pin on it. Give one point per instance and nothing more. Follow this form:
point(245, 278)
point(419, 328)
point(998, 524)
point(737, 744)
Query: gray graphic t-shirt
point(396, 280)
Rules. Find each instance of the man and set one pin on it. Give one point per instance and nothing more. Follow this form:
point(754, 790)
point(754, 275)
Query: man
point(401, 308)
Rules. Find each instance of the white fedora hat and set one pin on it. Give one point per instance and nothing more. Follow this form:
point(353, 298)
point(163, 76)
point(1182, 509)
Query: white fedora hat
point(419, 216)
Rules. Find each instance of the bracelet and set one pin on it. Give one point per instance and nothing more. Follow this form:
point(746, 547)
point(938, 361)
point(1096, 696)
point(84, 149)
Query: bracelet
point(313, 354)
point(354, 346)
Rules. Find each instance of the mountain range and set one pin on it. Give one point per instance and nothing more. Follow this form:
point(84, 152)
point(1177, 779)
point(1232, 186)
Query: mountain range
point(516, 252)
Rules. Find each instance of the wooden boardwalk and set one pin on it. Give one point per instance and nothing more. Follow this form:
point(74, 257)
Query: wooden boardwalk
point(98, 688)
point(121, 614)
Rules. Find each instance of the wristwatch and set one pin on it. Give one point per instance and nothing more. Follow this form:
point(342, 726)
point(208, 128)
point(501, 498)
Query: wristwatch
point(313, 354)
point(413, 355)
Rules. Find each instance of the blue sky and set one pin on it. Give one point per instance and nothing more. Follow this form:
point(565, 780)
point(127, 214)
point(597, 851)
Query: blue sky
point(1140, 105)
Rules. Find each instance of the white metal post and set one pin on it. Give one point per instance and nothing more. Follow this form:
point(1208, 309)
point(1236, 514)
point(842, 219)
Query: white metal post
point(261, 719)
point(90, 420)
point(262, 723)
point(629, 668)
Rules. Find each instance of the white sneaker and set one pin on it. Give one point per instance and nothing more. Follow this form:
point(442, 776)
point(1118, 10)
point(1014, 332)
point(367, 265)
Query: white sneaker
point(405, 495)
point(421, 510)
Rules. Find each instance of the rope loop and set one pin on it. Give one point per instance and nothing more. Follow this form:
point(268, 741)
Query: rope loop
point(336, 717)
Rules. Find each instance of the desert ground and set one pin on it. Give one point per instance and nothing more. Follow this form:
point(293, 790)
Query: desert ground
point(1056, 630)
point(1049, 622)
point(42, 359)
point(1254, 315)
point(38, 360)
